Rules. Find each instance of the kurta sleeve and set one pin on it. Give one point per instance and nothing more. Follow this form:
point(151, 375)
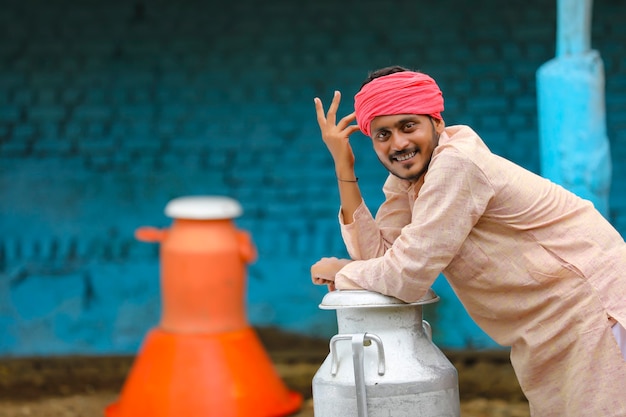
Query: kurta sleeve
point(366, 237)
point(453, 197)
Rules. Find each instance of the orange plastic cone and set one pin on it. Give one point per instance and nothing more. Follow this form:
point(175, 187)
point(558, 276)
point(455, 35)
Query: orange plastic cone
point(204, 359)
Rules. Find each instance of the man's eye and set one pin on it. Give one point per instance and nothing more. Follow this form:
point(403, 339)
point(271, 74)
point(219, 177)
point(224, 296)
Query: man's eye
point(381, 136)
point(409, 125)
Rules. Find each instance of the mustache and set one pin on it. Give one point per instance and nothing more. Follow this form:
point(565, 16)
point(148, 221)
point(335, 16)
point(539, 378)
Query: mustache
point(404, 152)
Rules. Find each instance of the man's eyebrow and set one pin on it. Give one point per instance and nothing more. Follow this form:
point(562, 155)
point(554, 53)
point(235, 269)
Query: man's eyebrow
point(403, 121)
point(398, 123)
point(407, 119)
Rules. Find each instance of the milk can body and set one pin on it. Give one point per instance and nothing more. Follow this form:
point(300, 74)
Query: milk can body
point(384, 349)
point(201, 268)
point(203, 265)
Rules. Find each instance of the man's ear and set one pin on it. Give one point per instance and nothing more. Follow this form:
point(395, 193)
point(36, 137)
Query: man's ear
point(439, 124)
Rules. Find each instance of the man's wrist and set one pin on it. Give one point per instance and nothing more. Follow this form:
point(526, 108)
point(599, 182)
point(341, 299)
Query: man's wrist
point(345, 173)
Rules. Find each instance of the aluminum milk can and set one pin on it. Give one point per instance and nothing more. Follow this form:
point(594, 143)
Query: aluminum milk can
point(383, 363)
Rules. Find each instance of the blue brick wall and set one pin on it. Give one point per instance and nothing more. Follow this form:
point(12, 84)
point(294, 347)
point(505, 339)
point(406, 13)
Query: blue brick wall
point(110, 109)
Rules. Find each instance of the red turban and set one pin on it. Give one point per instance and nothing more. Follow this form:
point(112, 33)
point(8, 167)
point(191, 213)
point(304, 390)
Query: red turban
point(404, 92)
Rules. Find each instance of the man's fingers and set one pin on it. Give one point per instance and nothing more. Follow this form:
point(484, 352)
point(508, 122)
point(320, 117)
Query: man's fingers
point(346, 120)
point(344, 124)
point(327, 121)
point(322, 281)
point(319, 110)
point(331, 116)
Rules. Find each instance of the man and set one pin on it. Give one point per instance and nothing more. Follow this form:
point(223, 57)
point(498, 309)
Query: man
point(537, 268)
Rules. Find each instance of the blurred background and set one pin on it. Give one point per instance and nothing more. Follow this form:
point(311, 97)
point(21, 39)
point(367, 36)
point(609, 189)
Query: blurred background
point(110, 109)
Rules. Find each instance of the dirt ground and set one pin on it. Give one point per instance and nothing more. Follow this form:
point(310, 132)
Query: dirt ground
point(84, 386)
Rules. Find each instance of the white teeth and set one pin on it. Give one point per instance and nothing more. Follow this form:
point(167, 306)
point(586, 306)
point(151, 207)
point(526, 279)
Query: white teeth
point(406, 156)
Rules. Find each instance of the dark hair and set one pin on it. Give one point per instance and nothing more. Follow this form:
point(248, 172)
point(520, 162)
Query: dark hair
point(382, 72)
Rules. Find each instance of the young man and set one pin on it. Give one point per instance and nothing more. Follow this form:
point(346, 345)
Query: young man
point(537, 268)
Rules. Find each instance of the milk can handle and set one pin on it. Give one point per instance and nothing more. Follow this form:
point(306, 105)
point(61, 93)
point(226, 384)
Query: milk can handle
point(428, 329)
point(358, 341)
point(368, 337)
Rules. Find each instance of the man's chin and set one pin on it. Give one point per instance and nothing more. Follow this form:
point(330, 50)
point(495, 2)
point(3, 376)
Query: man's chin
point(406, 173)
point(413, 177)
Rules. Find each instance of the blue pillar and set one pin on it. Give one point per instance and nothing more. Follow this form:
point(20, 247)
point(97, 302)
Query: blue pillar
point(574, 147)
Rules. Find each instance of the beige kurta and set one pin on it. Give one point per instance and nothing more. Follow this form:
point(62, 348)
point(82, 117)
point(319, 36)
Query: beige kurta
point(537, 268)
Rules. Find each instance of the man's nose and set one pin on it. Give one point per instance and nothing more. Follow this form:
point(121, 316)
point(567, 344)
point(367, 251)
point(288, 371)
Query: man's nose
point(399, 141)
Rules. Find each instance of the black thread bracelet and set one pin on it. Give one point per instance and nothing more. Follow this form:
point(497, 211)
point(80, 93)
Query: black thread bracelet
point(355, 180)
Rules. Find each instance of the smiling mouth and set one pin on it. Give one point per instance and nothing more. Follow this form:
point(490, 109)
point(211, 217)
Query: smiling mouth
point(404, 156)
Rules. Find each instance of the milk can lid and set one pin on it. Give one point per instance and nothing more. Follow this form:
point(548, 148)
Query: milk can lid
point(203, 208)
point(363, 298)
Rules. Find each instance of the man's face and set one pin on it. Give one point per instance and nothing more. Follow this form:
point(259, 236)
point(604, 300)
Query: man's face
point(405, 143)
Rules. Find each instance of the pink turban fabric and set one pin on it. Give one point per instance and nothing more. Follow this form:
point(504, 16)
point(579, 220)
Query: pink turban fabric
point(404, 92)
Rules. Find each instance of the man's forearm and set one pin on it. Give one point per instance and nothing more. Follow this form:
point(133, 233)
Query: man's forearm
point(349, 194)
